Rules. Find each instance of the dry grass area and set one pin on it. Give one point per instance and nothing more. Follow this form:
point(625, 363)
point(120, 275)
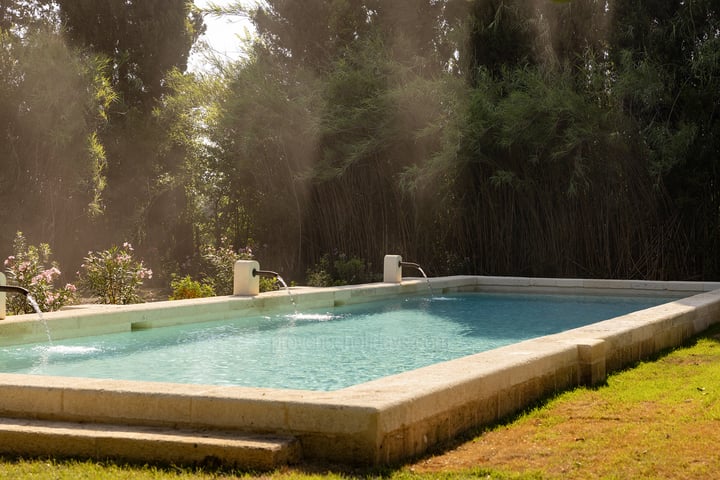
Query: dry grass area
point(657, 420)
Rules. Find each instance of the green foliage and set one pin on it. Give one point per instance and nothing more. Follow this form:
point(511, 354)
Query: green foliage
point(268, 284)
point(52, 104)
point(186, 287)
point(143, 40)
point(319, 275)
point(668, 53)
point(351, 270)
point(340, 270)
point(221, 264)
point(317, 119)
point(265, 140)
point(221, 261)
point(113, 275)
point(27, 268)
point(287, 29)
point(502, 137)
point(141, 44)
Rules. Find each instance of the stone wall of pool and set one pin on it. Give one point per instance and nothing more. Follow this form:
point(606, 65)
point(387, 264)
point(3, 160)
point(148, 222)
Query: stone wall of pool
point(378, 422)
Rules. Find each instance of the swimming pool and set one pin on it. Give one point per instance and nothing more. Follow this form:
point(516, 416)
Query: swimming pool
point(320, 349)
point(377, 422)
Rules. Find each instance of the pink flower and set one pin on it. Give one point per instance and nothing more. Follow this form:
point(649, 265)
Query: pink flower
point(128, 246)
point(70, 288)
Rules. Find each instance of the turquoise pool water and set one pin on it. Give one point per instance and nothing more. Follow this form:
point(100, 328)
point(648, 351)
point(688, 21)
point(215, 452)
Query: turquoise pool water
point(320, 350)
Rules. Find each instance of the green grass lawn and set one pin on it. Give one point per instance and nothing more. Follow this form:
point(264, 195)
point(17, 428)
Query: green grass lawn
point(659, 419)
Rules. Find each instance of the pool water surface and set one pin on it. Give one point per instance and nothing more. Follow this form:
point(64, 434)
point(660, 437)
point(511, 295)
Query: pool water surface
point(320, 350)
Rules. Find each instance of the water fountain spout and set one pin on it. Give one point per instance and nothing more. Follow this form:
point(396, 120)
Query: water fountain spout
point(8, 289)
point(277, 277)
point(265, 273)
point(245, 277)
point(14, 289)
point(392, 270)
point(270, 274)
point(24, 292)
point(410, 264)
point(419, 269)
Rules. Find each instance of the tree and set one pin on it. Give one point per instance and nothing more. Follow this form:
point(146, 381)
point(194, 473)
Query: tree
point(548, 173)
point(53, 104)
point(667, 79)
point(311, 33)
point(143, 40)
point(263, 144)
point(318, 129)
point(144, 43)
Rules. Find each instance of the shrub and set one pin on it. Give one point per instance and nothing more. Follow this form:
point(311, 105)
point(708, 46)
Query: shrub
point(351, 270)
point(319, 275)
point(268, 284)
point(186, 287)
point(27, 268)
point(113, 275)
point(222, 264)
point(343, 270)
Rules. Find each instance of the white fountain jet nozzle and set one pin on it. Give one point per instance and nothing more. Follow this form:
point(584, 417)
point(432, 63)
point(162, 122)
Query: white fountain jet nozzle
point(245, 282)
point(265, 273)
point(246, 277)
point(14, 289)
point(392, 269)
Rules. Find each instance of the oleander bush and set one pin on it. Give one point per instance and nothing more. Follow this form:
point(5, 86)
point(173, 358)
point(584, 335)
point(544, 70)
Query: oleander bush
point(113, 275)
point(27, 268)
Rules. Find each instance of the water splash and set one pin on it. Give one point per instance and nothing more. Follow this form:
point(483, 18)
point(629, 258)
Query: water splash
point(71, 350)
point(276, 276)
point(41, 319)
point(419, 268)
point(292, 299)
point(427, 280)
point(317, 317)
point(47, 354)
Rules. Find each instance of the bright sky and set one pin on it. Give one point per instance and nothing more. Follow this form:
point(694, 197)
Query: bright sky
point(224, 34)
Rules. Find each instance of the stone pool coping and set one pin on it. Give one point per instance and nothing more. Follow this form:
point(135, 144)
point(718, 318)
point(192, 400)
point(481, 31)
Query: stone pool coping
point(378, 422)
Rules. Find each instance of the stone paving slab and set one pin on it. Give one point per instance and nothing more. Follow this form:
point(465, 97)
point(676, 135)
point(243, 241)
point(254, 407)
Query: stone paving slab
point(146, 444)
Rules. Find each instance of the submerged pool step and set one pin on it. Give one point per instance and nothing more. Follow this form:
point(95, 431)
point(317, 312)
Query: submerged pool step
point(36, 438)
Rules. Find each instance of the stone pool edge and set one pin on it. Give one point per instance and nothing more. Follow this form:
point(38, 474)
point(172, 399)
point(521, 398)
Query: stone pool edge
point(378, 422)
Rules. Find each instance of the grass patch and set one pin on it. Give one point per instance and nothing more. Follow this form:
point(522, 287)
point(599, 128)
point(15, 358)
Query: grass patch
point(658, 419)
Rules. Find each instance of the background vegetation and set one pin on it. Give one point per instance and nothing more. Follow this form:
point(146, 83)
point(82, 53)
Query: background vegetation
point(506, 137)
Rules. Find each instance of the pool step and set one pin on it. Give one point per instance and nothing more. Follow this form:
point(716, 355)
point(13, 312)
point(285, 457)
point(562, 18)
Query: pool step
point(33, 438)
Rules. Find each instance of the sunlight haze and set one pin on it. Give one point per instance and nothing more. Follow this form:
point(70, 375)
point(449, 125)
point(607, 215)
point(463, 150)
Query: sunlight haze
point(224, 35)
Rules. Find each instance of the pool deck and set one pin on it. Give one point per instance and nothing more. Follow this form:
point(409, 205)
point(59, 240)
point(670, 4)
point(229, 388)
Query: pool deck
point(379, 422)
